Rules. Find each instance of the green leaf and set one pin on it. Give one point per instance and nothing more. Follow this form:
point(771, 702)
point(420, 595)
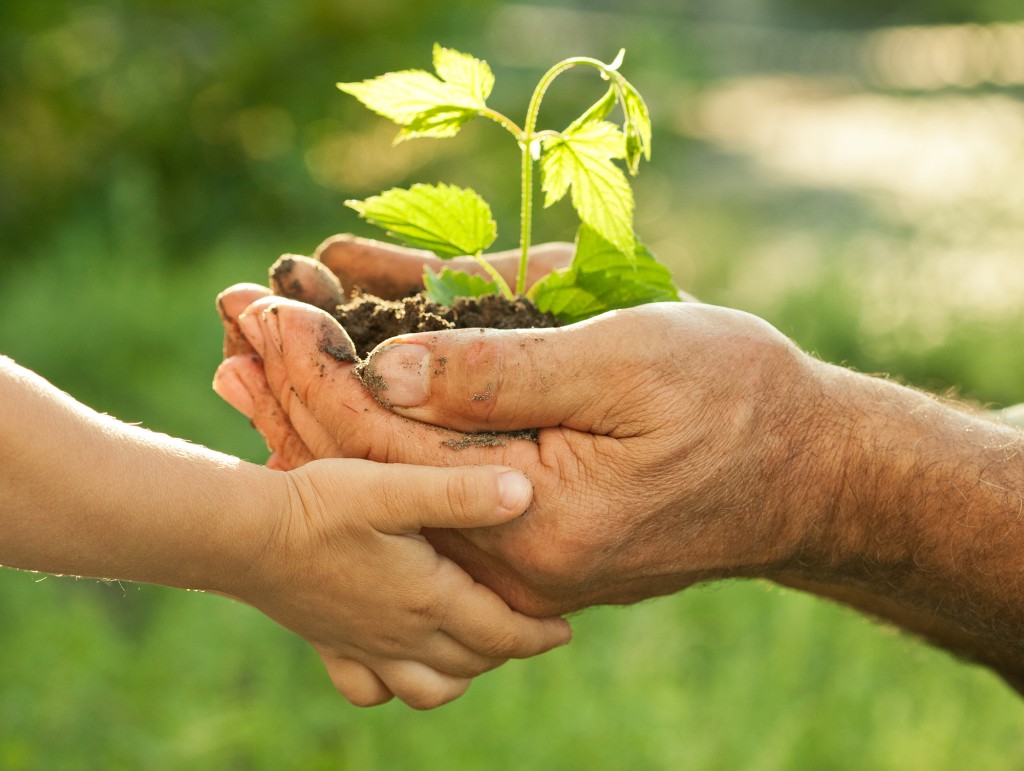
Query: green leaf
point(439, 122)
point(597, 111)
point(448, 220)
point(403, 96)
point(602, 278)
point(581, 159)
point(467, 72)
point(558, 166)
point(425, 105)
point(637, 126)
point(445, 286)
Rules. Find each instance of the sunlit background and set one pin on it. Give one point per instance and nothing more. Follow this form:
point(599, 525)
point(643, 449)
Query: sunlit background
point(852, 172)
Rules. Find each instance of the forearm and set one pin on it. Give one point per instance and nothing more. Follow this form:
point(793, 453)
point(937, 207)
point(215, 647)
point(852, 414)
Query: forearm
point(83, 494)
point(922, 524)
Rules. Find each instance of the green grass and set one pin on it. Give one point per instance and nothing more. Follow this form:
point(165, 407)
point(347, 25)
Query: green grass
point(735, 677)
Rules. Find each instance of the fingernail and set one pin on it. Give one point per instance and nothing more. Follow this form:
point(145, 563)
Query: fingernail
point(230, 388)
point(335, 342)
point(514, 490)
point(402, 370)
point(250, 327)
point(268, 319)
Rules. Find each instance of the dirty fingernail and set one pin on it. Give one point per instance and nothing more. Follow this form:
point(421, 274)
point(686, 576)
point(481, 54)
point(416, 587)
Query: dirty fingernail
point(268, 320)
point(402, 371)
point(302, 278)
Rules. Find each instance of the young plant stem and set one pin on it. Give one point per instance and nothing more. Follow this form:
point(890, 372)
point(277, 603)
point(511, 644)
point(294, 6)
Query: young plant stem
point(495, 276)
point(527, 138)
point(525, 217)
point(503, 121)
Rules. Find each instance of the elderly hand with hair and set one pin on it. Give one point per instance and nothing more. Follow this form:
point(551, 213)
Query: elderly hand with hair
point(675, 444)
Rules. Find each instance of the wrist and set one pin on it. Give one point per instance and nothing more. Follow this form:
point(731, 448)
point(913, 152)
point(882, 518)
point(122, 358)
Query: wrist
point(244, 528)
point(907, 483)
point(923, 528)
point(856, 461)
point(84, 494)
point(804, 459)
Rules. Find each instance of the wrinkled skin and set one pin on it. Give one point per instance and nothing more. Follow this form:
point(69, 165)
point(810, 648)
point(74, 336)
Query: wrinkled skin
point(678, 443)
point(622, 476)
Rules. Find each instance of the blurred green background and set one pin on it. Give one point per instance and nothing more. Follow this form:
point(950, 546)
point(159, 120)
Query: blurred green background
point(853, 172)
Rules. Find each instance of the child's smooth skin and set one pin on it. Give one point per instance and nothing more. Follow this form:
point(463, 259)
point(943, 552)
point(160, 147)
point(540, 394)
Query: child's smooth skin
point(331, 551)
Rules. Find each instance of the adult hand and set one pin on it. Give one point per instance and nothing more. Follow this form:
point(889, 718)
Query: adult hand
point(341, 266)
point(644, 464)
point(711, 448)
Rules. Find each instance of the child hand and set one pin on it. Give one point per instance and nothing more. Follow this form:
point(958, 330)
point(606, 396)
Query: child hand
point(348, 570)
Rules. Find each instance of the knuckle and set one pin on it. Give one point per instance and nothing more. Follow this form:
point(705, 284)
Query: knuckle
point(357, 684)
point(483, 404)
point(463, 495)
point(500, 643)
point(393, 644)
point(484, 358)
point(386, 447)
point(431, 610)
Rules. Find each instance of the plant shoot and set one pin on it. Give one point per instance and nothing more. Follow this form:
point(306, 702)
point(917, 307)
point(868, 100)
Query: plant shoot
point(610, 269)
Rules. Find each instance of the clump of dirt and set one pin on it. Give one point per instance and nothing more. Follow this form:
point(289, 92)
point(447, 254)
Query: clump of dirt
point(490, 439)
point(369, 320)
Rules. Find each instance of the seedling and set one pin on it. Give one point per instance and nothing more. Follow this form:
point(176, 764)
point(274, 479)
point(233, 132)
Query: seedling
point(610, 269)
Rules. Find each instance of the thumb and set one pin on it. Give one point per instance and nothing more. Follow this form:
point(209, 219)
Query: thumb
point(506, 380)
point(407, 498)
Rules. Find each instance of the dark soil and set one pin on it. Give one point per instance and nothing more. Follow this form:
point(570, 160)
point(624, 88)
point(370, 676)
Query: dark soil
point(369, 320)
